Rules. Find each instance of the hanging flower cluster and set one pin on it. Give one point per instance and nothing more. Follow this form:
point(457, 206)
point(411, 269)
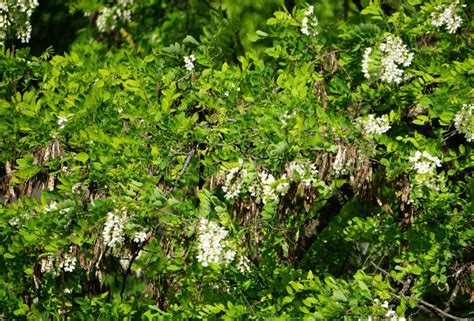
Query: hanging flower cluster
point(446, 15)
point(15, 19)
point(309, 22)
point(464, 121)
point(113, 229)
point(139, 237)
point(393, 55)
point(234, 181)
point(109, 16)
point(425, 166)
point(213, 248)
point(243, 265)
point(425, 163)
point(68, 264)
point(188, 62)
point(365, 62)
point(375, 125)
point(264, 187)
point(306, 172)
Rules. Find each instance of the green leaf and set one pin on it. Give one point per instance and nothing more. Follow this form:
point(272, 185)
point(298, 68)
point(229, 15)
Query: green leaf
point(338, 296)
point(82, 157)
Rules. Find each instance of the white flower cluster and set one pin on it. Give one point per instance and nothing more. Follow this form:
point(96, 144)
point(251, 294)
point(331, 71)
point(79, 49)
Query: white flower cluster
point(265, 187)
point(113, 229)
point(109, 16)
point(425, 163)
point(425, 166)
point(464, 121)
point(51, 207)
point(309, 22)
point(243, 265)
point(234, 181)
point(375, 125)
point(139, 237)
point(62, 120)
point(365, 62)
point(212, 244)
point(188, 62)
point(394, 54)
point(15, 19)
point(446, 15)
point(68, 264)
point(306, 172)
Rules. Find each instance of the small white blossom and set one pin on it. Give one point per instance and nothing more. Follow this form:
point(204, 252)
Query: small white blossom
point(62, 120)
point(51, 207)
point(243, 265)
point(68, 264)
point(446, 15)
point(365, 62)
point(309, 22)
point(375, 125)
point(188, 62)
point(76, 188)
point(139, 237)
point(234, 181)
point(464, 121)
point(113, 229)
point(106, 20)
point(424, 163)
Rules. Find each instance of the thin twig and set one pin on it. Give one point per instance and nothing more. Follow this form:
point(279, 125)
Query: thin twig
point(183, 170)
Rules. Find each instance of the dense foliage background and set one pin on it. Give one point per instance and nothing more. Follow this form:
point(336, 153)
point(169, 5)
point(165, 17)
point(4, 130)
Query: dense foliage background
point(236, 160)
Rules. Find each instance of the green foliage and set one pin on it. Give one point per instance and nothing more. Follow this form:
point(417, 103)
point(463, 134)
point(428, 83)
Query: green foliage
point(331, 192)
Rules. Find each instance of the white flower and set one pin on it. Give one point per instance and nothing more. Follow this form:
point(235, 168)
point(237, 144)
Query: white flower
point(234, 182)
point(47, 265)
point(309, 22)
point(365, 62)
point(424, 163)
point(212, 244)
point(390, 313)
point(62, 120)
point(51, 207)
point(374, 125)
point(188, 62)
point(68, 264)
point(139, 237)
point(464, 121)
point(106, 20)
point(446, 15)
point(394, 55)
point(385, 305)
point(113, 228)
point(243, 265)
point(125, 3)
point(76, 188)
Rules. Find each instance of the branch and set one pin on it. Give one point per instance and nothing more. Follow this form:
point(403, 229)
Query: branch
point(312, 228)
point(422, 303)
point(182, 171)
